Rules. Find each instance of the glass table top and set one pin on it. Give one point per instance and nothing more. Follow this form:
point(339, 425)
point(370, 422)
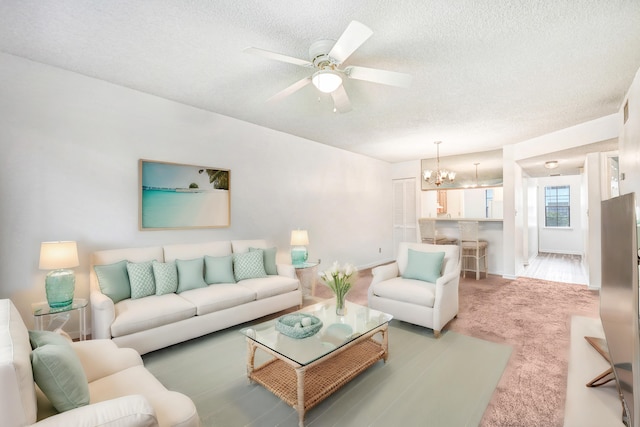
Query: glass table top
point(42, 308)
point(336, 331)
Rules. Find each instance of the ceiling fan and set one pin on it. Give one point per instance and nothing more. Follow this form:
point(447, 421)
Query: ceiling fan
point(326, 57)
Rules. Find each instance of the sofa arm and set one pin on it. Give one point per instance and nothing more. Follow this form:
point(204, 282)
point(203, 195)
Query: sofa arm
point(286, 270)
point(100, 358)
point(133, 410)
point(384, 272)
point(103, 313)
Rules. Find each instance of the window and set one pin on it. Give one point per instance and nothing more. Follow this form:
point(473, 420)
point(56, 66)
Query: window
point(557, 206)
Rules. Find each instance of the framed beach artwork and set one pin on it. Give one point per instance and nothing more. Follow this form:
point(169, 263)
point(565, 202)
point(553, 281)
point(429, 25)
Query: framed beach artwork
point(176, 196)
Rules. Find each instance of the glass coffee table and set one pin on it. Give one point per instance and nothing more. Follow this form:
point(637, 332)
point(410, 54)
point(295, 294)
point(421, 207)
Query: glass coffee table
point(304, 372)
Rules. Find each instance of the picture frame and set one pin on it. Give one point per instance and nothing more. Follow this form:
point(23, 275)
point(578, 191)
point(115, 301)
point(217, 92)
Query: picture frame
point(182, 196)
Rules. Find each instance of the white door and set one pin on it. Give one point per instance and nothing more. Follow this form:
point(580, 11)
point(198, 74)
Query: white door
point(405, 222)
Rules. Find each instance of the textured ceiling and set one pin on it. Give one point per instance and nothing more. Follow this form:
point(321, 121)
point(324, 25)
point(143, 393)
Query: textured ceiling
point(485, 73)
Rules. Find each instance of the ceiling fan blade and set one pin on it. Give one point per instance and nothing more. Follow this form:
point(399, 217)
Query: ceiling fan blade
point(341, 100)
point(352, 38)
point(278, 56)
point(375, 75)
point(289, 90)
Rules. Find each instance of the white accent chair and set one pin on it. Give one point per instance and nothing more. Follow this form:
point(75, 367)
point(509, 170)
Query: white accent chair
point(423, 303)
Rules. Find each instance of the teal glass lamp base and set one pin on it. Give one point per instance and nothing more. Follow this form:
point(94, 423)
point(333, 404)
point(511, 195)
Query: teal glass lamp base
point(299, 255)
point(60, 285)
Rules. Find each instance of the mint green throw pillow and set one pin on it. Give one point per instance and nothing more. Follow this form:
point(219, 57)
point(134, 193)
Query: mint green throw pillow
point(59, 374)
point(40, 338)
point(114, 280)
point(218, 269)
point(190, 274)
point(141, 279)
point(269, 259)
point(426, 266)
point(249, 265)
point(166, 277)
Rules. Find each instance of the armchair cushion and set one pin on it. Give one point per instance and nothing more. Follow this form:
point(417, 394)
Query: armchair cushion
point(406, 290)
point(59, 374)
point(425, 266)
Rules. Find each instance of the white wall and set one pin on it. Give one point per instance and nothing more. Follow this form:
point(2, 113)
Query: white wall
point(561, 240)
point(69, 171)
point(629, 142)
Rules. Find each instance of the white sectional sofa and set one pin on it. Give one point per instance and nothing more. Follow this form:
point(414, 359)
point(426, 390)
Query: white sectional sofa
point(98, 383)
point(155, 321)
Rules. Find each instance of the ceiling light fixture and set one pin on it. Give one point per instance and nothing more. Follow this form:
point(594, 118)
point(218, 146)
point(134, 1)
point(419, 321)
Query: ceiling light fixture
point(441, 175)
point(326, 80)
point(551, 164)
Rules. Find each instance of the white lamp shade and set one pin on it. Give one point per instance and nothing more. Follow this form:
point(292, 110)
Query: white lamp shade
point(299, 238)
point(56, 255)
point(326, 80)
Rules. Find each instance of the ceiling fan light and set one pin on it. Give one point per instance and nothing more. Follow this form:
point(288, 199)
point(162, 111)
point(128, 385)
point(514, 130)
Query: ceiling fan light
point(326, 80)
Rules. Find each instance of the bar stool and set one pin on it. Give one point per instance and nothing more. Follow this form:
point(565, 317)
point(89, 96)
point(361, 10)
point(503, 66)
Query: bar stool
point(429, 234)
point(472, 249)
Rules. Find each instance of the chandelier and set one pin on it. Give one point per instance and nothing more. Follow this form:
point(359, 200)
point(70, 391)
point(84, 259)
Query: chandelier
point(440, 175)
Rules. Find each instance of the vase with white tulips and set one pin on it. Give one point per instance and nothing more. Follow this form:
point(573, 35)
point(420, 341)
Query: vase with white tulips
point(340, 279)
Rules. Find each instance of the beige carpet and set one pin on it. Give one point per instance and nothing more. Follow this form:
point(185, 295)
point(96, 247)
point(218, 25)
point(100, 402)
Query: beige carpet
point(533, 316)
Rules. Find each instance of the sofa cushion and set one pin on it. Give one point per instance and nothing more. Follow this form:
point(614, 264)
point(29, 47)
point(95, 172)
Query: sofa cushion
point(190, 274)
point(196, 250)
point(423, 265)
point(141, 279)
point(218, 269)
point(265, 287)
point(166, 277)
point(269, 259)
point(249, 265)
point(406, 290)
point(135, 315)
point(59, 374)
point(114, 280)
point(218, 297)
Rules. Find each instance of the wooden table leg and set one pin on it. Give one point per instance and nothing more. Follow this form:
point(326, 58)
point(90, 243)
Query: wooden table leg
point(300, 408)
point(385, 342)
point(251, 355)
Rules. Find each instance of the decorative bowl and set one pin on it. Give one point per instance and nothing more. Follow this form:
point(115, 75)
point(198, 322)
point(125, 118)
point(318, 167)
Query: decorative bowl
point(298, 325)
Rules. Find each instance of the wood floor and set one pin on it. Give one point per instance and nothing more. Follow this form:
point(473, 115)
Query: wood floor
point(557, 268)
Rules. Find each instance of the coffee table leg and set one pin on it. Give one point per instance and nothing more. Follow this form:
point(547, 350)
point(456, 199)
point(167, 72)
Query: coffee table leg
point(251, 355)
point(300, 376)
point(385, 343)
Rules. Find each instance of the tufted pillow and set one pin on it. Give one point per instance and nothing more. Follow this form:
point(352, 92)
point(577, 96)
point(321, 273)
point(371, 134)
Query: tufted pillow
point(269, 259)
point(249, 265)
point(218, 269)
point(190, 274)
point(141, 279)
point(166, 277)
point(114, 280)
point(59, 374)
point(426, 266)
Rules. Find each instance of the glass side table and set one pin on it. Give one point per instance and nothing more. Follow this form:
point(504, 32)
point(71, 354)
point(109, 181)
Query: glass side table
point(58, 317)
point(307, 274)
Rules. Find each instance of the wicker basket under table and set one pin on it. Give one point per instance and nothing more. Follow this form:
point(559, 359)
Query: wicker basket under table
point(303, 387)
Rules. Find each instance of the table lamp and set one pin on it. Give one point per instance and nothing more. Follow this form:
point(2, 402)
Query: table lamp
point(299, 240)
point(60, 282)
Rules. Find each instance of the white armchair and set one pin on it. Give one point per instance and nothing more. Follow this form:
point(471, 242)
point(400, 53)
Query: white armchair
point(430, 301)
